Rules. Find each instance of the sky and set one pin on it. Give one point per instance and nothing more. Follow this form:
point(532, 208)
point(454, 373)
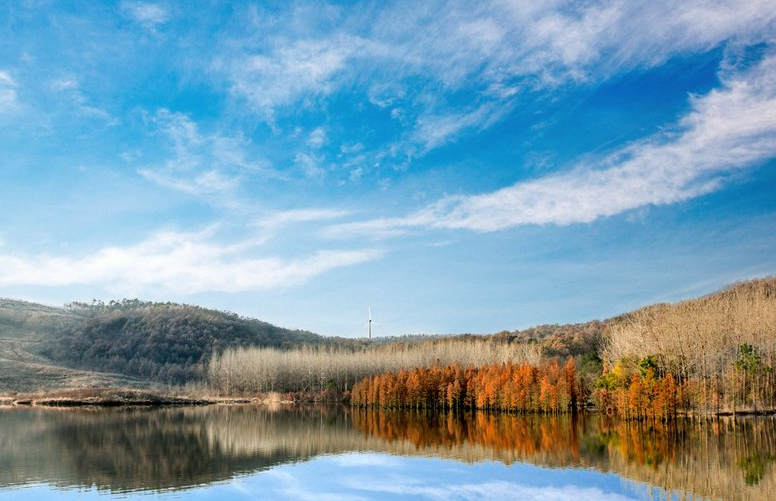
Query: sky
point(457, 166)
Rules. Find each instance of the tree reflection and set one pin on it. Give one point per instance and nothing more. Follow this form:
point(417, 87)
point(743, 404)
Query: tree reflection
point(122, 450)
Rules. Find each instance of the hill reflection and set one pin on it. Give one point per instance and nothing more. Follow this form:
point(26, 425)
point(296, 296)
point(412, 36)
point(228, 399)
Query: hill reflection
point(163, 449)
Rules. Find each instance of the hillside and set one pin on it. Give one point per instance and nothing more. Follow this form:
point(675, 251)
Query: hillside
point(721, 347)
point(47, 347)
point(26, 331)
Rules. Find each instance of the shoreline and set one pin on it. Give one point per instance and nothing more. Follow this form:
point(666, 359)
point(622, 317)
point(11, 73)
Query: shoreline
point(131, 397)
point(112, 397)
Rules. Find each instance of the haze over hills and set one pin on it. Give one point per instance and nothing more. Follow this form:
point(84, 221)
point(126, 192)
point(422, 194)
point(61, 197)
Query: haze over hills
point(137, 343)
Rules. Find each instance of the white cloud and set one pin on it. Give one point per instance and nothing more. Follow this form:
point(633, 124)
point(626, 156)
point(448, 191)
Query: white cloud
point(310, 166)
point(355, 174)
point(8, 97)
point(147, 14)
point(351, 148)
point(68, 87)
point(284, 218)
point(434, 130)
point(292, 70)
point(64, 83)
point(270, 225)
point(317, 138)
point(415, 59)
point(202, 164)
point(556, 41)
point(182, 263)
point(730, 128)
point(208, 182)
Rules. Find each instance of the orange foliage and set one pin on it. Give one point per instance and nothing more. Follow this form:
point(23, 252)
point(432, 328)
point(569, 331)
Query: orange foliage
point(546, 388)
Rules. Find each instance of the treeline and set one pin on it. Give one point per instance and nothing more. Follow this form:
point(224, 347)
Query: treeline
point(546, 388)
point(239, 371)
point(720, 350)
point(559, 340)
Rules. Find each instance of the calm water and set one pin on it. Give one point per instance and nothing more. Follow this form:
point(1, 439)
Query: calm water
point(334, 454)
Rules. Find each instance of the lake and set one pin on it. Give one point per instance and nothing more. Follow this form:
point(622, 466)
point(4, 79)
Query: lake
point(323, 453)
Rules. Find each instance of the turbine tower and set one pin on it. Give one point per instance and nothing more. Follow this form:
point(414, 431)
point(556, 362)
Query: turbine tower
point(369, 324)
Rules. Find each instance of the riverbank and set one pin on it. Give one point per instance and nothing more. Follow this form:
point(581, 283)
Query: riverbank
point(111, 397)
point(128, 397)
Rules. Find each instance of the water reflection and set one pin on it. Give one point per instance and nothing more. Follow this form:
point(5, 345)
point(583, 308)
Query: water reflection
point(166, 449)
point(720, 459)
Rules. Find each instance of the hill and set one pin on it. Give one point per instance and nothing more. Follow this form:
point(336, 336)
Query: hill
point(48, 347)
point(27, 330)
point(720, 347)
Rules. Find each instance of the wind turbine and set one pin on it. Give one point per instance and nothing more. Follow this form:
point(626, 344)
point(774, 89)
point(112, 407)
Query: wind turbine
point(369, 324)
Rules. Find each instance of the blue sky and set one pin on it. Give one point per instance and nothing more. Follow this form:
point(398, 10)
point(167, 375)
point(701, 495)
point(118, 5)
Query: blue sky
point(459, 167)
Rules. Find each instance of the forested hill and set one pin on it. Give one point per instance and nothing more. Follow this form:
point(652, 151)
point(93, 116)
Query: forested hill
point(171, 343)
point(163, 342)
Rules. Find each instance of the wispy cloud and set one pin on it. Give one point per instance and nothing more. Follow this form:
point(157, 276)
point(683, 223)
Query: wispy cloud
point(201, 183)
point(292, 70)
point(202, 164)
point(433, 130)
point(8, 97)
point(148, 14)
point(270, 225)
point(69, 88)
point(317, 137)
point(730, 128)
point(414, 58)
point(181, 263)
point(311, 165)
point(284, 218)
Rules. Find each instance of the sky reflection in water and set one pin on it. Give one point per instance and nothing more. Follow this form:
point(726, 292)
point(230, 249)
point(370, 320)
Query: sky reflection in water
point(368, 476)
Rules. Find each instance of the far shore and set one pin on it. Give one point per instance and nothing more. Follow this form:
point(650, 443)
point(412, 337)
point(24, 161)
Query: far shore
point(131, 397)
point(118, 397)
